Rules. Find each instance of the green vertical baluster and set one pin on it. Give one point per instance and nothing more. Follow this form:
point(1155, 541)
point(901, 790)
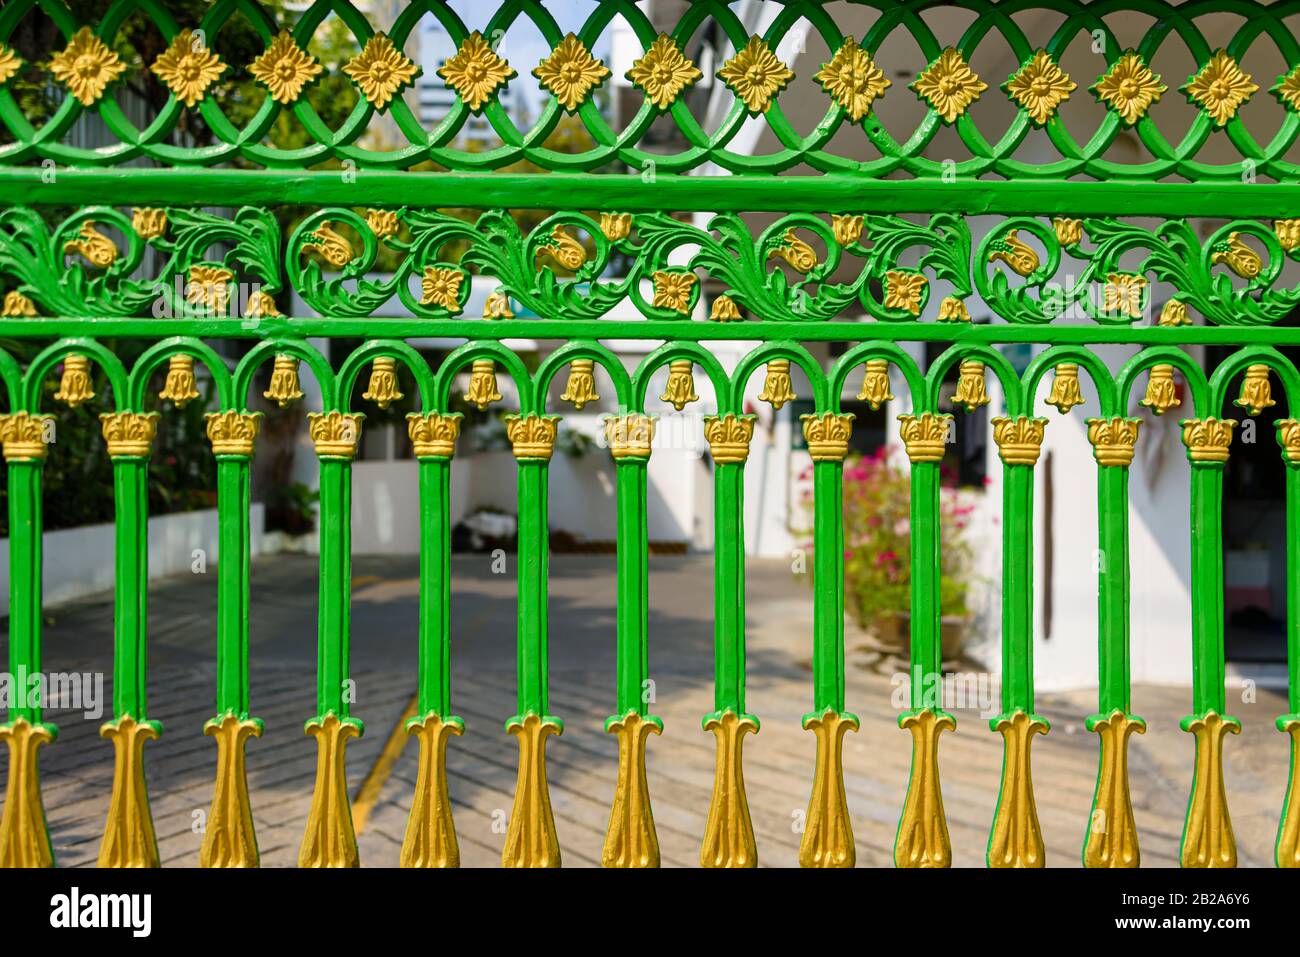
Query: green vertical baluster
point(728, 833)
point(531, 840)
point(129, 835)
point(430, 832)
point(1016, 839)
point(1286, 852)
point(1207, 833)
point(630, 839)
point(922, 836)
point(229, 839)
point(330, 840)
point(24, 837)
point(1111, 839)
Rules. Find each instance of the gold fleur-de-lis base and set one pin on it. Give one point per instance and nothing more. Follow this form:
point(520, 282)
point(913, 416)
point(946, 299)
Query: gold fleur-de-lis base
point(1016, 839)
point(530, 838)
point(1207, 833)
point(128, 834)
point(630, 839)
point(229, 839)
point(1287, 851)
point(24, 838)
point(922, 839)
point(1112, 833)
point(430, 832)
point(728, 832)
point(329, 840)
point(828, 831)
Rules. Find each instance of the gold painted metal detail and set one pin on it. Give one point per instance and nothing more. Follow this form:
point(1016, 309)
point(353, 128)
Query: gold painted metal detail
point(10, 63)
point(1288, 436)
point(571, 72)
point(729, 437)
point(1113, 440)
point(476, 72)
point(875, 384)
point(949, 85)
point(922, 839)
point(1287, 89)
point(1020, 439)
point(25, 436)
point(1015, 252)
point(233, 433)
point(149, 223)
point(777, 388)
point(630, 839)
point(497, 306)
point(680, 389)
point(434, 434)
point(1124, 293)
point(925, 436)
point(129, 434)
point(260, 305)
point(1174, 313)
point(331, 245)
point(285, 68)
point(441, 287)
point(1207, 835)
point(728, 832)
point(74, 384)
point(329, 840)
point(616, 226)
point(93, 246)
point(1016, 839)
point(971, 392)
point(828, 830)
point(1069, 232)
point(724, 309)
point(564, 249)
point(1255, 393)
point(179, 387)
point(672, 290)
point(24, 837)
point(382, 222)
point(581, 386)
point(381, 70)
point(905, 290)
point(17, 305)
point(482, 384)
point(1065, 394)
point(630, 436)
point(1287, 230)
point(430, 839)
point(382, 389)
point(128, 834)
point(532, 437)
point(1286, 852)
point(1208, 439)
point(847, 229)
point(952, 309)
point(852, 80)
point(1040, 87)
point(1112, 832)
point(1161, 394)
point(756, 75)
point(798, 254)
point(284, 388)
point(663, 72)
point(1129, 87)
point(828, 435)
point(209, 288)
point(86, 66)
point(1234, 253)
point(335, 433)
point(530, 836)
point(1221, 87)
point(229, 839)
point(188, 67)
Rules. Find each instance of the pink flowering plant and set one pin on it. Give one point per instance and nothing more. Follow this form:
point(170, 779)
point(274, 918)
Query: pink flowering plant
point(877, 543)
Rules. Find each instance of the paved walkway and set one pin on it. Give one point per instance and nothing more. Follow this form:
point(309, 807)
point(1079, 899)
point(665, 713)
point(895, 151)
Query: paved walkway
point(77, 769)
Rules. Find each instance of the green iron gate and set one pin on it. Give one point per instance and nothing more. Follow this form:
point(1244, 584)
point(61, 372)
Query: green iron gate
point(1080, 228)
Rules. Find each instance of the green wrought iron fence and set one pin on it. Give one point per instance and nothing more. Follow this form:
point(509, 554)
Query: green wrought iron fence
point(1070, 231)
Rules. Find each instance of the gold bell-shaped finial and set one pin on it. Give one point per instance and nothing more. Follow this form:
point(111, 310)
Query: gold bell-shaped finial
point(483, 384)
point(724, 309)
point(1161, 395)
point(1256, 396)
point(383, 390)
point(284, 382)
point(970, 386)
point(1065, 394)
point(681, 384)
point(581, 387)
point(777, 388)
point(875, 386)
point(179, 387)
point(74, 386)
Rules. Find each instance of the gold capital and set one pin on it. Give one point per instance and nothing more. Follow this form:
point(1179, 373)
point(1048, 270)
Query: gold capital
point(233, 433)
point(827, 435)
point(1207, 833)
point(530, 837)
point(532, 436)
point(728, 832)
point(434, 434)
point(1207, 440)
point(1020, 439)
point(335, 434)
point(828, 831)
point(1113, 440)
point(728, 437)
point(430, 839)
point(925, 436)
point(229, 839)
point(129, 434)
point(630, 436)
point(23, 436)
point(630, 839)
